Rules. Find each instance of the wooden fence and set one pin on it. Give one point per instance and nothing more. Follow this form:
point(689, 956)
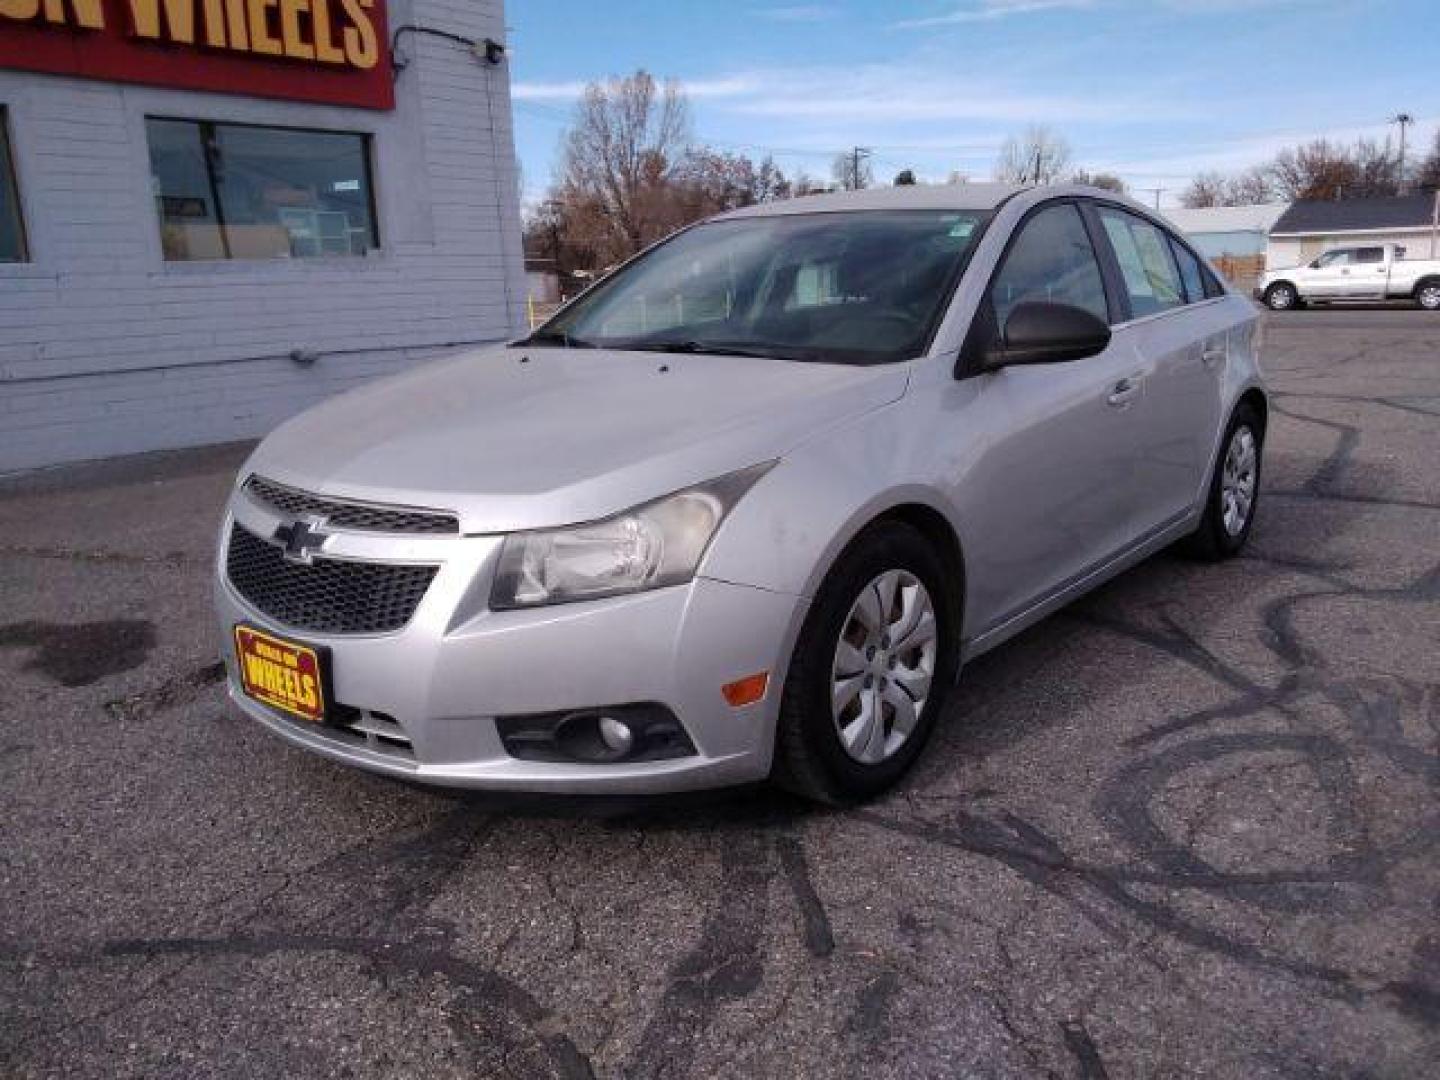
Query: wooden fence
point(1242, 271)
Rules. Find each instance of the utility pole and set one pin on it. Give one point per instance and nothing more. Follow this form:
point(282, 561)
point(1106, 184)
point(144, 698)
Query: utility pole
point(1157, 191)
point(857, 155)
point(1404, 120)
point(1435, 227)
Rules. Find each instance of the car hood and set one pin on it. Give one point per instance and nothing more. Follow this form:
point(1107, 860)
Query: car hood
point(513, 438)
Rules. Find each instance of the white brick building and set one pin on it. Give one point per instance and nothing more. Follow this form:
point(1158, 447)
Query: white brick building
point(182, 272)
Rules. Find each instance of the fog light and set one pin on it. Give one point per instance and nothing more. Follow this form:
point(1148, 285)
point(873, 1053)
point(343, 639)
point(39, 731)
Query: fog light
point(616, 735)
point(643, 731)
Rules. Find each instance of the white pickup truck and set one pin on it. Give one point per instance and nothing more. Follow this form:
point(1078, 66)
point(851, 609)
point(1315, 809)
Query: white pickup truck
point(1373, 272)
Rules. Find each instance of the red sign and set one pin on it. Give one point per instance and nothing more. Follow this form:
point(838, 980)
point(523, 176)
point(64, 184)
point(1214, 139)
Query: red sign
point(336, 52)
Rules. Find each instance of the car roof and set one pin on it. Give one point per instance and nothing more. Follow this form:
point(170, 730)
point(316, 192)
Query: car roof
point(929, 197)
point(905, 197)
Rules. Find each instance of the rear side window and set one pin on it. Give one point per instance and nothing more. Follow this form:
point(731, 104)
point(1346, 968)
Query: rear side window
point(1143, 252)
point(1051, 260)
point(1370, 255)
point(1190, 272)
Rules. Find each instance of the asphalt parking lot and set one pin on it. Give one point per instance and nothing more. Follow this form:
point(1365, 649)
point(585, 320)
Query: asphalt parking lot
point(1188, 827)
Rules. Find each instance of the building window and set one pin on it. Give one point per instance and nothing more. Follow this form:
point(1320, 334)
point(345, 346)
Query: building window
point(236, 191)
point(12, 225)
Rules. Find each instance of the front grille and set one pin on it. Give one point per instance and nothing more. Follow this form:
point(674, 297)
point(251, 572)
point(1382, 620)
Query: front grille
point(349, 515)
point(329, 596)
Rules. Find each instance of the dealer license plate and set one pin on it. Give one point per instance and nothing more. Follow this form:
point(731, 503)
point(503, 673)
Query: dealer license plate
point(284, 675)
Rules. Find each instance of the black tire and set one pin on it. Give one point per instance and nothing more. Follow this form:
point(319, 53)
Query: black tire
point(1212, 541)
point(810, 759)
point(1427, 295)
point(1282, 296)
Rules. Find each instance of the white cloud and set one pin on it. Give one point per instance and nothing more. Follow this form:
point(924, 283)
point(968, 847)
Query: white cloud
point(572, 90)
point(898, 93)
point(546, 91)
point(990, 10)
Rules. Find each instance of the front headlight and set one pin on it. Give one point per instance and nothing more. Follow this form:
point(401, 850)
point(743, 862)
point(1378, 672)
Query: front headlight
point(658, 544)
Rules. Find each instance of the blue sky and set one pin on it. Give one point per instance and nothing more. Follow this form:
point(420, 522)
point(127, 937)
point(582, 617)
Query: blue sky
point(1152, 90)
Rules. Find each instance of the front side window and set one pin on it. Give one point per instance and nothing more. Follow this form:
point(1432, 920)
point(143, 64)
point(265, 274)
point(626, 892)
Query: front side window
point(1051, 260)
point(1343, 257)
point(1151, 277)
point(12, 225)
point(235, 191)
point(860, 287)
point(1190, 272)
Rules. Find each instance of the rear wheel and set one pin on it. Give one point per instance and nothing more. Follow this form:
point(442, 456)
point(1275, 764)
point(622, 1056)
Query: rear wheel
point(1281, 296)
point(1428, 296)
point(870, 671)
point(1234, 490)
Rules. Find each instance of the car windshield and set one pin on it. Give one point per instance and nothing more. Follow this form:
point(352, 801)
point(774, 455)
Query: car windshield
point(858, 287)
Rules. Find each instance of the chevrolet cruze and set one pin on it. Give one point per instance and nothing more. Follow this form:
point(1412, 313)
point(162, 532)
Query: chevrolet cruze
point(745, 507)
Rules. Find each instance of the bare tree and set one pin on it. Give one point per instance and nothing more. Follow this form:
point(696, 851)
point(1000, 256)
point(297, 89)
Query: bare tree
point(1325, 170)
point(1243, 189)
point(628, 139)
point(805, 184)
point(1039, 156)
point(708, 182)
point(1250, 188)
point(1427, 175)
point(851, 169)
point(957, 177)
point(1206, 189)
point(1377, 168)
point(1103, 180)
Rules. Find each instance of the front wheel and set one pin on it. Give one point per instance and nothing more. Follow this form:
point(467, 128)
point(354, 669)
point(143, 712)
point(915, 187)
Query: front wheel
point(1428, 296)
point(870, 671)
point(1234, 491)
point(1281, 296)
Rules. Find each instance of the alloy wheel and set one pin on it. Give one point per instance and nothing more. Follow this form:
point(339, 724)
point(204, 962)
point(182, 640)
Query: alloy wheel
point(1430, 297)
point(1237, 480)
point(1281, 297)
point(884, 666)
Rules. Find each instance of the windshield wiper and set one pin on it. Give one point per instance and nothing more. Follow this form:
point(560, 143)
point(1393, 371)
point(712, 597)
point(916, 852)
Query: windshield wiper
point(718, 348)
point(556, 337)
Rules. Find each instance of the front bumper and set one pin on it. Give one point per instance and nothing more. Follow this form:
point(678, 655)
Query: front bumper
point(456, 666)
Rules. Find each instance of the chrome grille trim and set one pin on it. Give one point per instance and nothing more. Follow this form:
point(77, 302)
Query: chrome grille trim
point(348, 514)
point(326, 596)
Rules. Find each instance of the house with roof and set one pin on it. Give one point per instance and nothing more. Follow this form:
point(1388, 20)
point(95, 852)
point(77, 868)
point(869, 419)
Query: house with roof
point(1233, 238)
point(1311, 226)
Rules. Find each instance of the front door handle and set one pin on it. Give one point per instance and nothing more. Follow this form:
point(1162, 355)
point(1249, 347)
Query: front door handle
point(1123, 392)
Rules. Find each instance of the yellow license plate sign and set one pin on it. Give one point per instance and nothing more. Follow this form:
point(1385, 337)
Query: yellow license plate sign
point(281, 674)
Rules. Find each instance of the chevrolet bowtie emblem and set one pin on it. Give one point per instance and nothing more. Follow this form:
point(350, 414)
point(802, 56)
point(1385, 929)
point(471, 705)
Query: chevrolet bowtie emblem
point(302, 539)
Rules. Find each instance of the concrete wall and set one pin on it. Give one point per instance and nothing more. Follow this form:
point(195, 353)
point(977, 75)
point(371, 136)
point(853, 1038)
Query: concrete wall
point(105, 348)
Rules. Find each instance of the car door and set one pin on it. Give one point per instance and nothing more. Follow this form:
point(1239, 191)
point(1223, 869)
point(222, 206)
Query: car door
point(1369, 271)
point(1182, 349)
point(1047, 495)
point(1327, 277)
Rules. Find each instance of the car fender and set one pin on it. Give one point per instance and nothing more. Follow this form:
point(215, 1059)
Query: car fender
point(788, 530)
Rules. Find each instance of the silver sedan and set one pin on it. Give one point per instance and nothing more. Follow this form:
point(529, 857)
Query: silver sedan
point(744, 508)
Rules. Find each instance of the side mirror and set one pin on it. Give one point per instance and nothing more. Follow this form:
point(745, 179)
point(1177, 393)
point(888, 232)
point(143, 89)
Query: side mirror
point(1046, 333)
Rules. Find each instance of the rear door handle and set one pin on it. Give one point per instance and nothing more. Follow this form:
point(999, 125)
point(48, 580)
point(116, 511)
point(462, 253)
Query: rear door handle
point(1212, 355)
point(1123, 392)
